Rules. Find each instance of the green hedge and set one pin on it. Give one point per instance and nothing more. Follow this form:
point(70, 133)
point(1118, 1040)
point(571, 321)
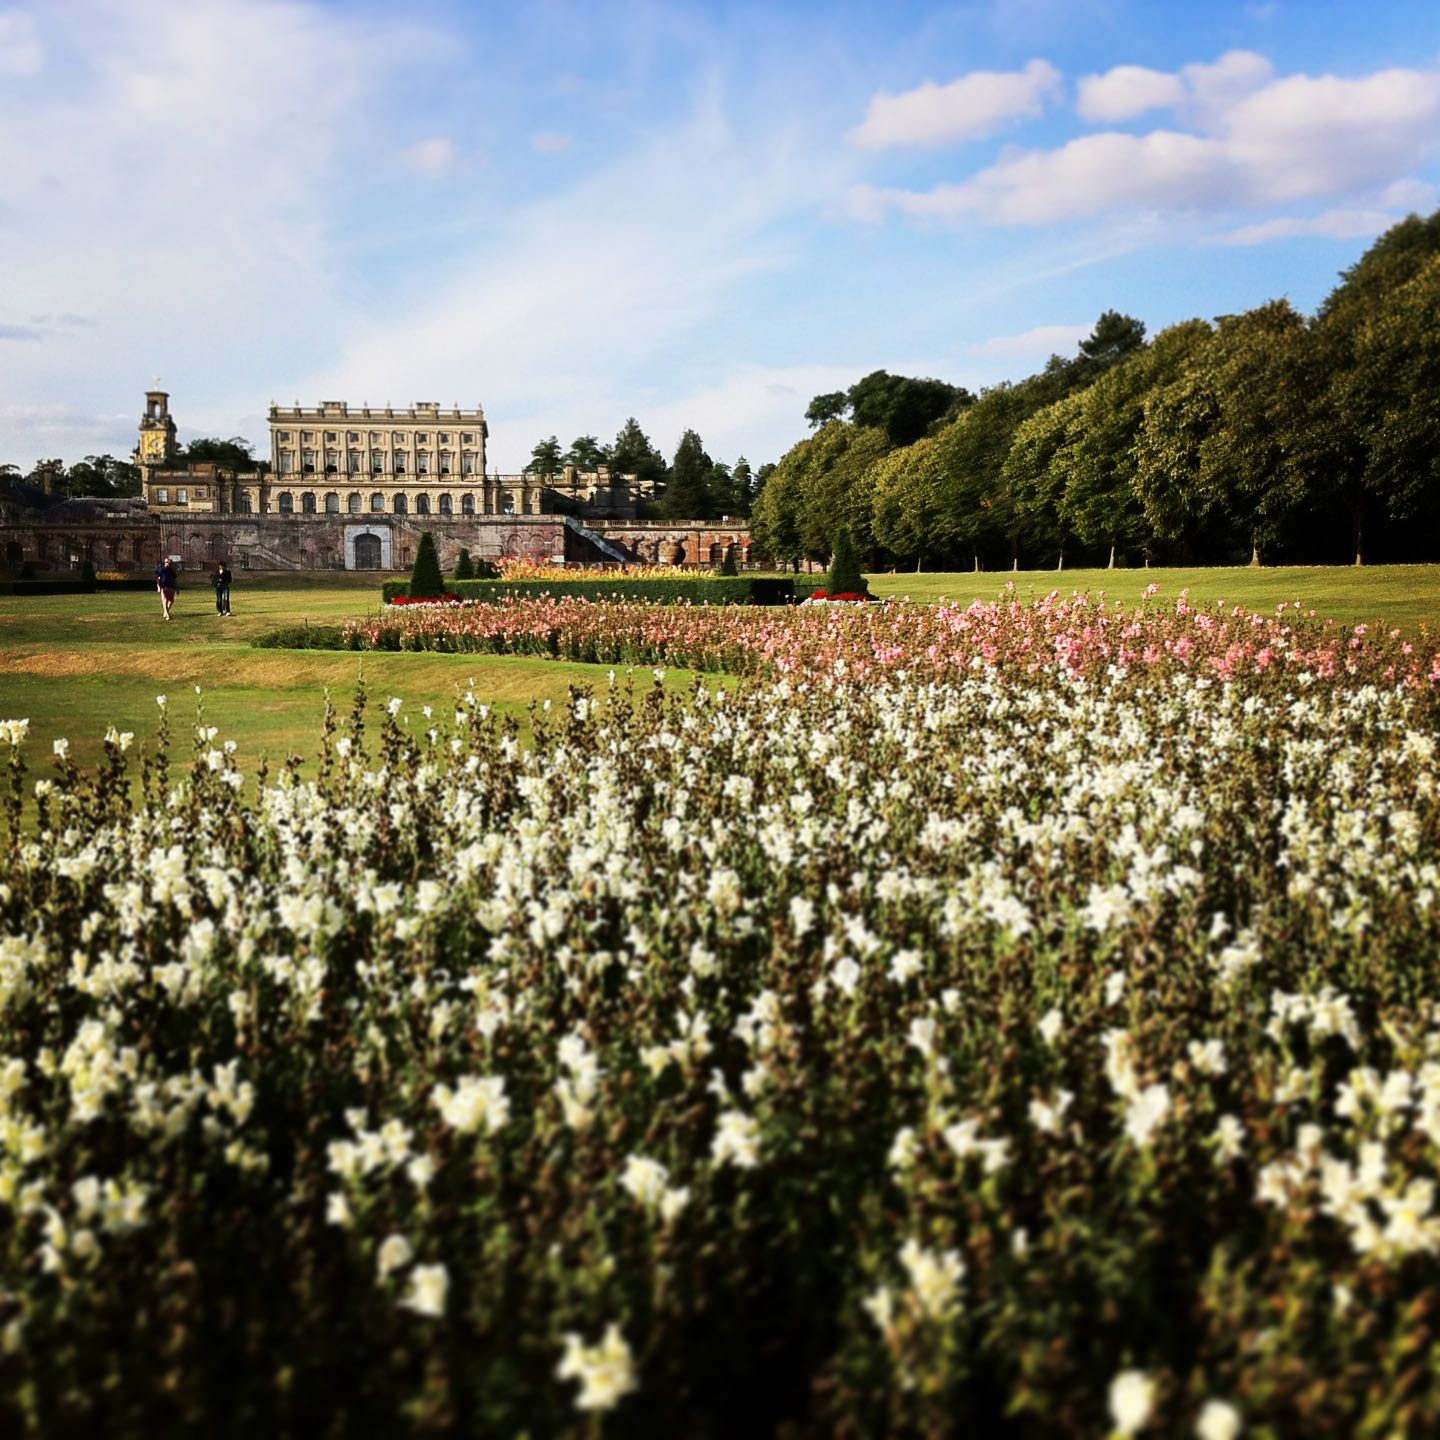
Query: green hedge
point(302, 637)
point(702, 590)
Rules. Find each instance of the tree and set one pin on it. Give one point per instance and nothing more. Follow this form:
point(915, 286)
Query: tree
point(904, 409)
point(1114, 338)
point(545, 459)
point(427, 580)
point(49, 475)
point(1097, 496)
point(825, 408)
point(464, 566)
point(586, 453)
point(742, 486)
point(905, 502)
point(232, 454)
point(633, 454)
point(687, 495)
point(103, 475)
point(845, 577)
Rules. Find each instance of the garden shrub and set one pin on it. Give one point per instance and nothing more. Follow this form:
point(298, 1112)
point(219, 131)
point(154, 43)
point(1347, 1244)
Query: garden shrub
point(427, 580)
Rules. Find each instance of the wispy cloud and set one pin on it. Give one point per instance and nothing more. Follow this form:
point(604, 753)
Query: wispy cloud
point(434, 157)
point(1038, 340)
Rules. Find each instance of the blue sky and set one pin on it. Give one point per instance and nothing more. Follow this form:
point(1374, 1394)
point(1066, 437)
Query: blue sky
point(696, 214)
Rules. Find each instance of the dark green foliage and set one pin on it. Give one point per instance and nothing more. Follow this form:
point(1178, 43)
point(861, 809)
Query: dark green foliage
point(903, 408)
point(427, 580)
point(701, 590)
point(464, 566)
point(545, 459)
point(845, 577)
point(687, 494)
point(825, 408)
point(633, 454)
point(301, 637)
point(232, 454)
point(586, 453)
point(87, 572)
point(727, 565)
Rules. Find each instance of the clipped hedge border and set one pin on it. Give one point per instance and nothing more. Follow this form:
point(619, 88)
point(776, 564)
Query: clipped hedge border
point(703, 590)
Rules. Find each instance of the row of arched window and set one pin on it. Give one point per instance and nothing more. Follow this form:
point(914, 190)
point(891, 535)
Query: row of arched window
point(355, 504)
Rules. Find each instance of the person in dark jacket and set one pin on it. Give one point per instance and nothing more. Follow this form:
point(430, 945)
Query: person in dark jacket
point(167, 582)
point(221, 581)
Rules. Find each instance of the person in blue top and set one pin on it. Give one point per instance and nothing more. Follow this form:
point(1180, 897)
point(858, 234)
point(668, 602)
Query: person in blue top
point(166, 582)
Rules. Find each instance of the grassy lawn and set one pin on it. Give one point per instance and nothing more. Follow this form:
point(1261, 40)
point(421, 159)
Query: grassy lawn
point(76, 664)
point(1403, 595)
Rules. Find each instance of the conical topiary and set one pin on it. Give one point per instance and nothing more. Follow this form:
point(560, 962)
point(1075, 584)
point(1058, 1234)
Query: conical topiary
point(845, 577)
point(727, 565)
point(464, 566)
point(427, 580)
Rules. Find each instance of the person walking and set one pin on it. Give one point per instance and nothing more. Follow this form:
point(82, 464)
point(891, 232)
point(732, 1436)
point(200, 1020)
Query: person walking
point(221, 581)
point(167, 583)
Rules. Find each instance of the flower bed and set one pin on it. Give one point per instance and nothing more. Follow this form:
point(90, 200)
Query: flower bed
point(1022, 1042)
point(1080, 634)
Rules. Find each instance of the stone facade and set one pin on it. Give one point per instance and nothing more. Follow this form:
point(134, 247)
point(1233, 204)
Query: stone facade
point(336, 459)
point(328, 506)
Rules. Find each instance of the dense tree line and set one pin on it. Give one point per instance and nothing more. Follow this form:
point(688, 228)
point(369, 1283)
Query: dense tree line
point(1265, 436)
point(693, 486)
point(108, 478)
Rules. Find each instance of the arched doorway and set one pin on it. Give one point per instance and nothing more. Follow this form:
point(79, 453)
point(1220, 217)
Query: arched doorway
point(367, 552)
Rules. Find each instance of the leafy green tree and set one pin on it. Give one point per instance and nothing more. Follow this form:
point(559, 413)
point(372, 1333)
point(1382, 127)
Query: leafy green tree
point(427, 580)
point(903, 408)
point(760, 480)
point(775, 516)
point(687, 494)
point(235, 454)
point(825, 408)
point(905, 502)
point(586, 453)
point(838, 488)
point(1034, 475)
point(545, 459)
point(1369, 370)
point(49, 475)
point(1096, 497)
point(103, 475)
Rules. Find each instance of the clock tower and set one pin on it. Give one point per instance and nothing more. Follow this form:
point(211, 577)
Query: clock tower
point(157, 445)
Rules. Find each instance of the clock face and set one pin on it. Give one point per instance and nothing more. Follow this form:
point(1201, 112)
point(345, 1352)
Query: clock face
point(152, 445)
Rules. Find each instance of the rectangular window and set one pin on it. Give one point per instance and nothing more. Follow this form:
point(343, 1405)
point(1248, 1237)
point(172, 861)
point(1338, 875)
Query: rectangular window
point(376, 437)
point(422, 465)
point(444, 462)
point(162, 496)
point(377, 464)
point(287, 462)
point(399, 464)
point(354, 462)
point(397, 437)
point(282, 435)
point(307, 435)
point(444, 439)
point(199, 492)
point(330, 437)
point(467, 465)
point(182, 497)
point(467, 439)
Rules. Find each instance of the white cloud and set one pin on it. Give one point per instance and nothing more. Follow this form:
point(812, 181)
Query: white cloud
point(1127, 91)
point(434, 157)
point(1256, 142)
point(969, 108)
point(550, 142)
point(1038, 340)
point(232, 196)
point(21, 52)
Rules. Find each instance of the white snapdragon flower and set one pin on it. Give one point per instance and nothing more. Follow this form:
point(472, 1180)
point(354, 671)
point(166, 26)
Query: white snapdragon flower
point(1050, 1026)
point(606, 1371)
point(1145, 1113)
point(478, 1103)
point(934, 1277)
point(393, 1255)
point(1218, 1420)
point(429, 1287)
point(737, 1141)
point(1132, 1399)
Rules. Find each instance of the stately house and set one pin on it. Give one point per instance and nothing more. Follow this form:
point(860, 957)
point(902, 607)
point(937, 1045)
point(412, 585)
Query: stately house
point(335, 459)
point(353, 488)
